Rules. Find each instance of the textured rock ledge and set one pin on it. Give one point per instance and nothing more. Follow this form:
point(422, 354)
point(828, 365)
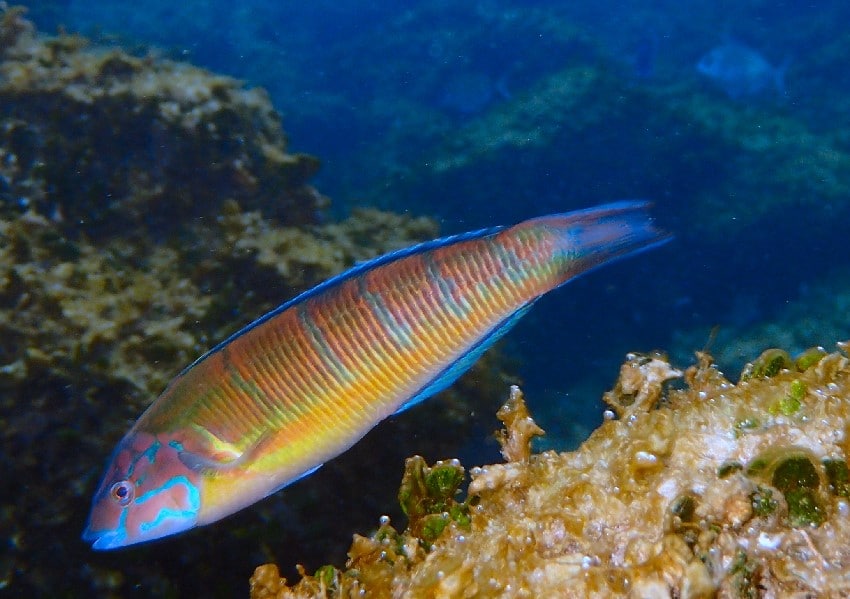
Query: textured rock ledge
point(685, 490)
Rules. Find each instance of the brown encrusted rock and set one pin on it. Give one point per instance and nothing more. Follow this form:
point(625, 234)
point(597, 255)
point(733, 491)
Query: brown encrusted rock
point(739, 490)
point(519, 430)
point(99, 138)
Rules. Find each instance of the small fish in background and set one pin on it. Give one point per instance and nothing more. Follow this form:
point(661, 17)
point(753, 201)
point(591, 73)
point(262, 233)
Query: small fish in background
point(303, 383)
point(742, 72)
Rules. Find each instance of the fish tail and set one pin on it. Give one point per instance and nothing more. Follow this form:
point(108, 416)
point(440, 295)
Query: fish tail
point(587, 239)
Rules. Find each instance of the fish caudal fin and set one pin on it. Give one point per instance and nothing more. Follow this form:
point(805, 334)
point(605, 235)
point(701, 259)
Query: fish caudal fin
point(600, 235)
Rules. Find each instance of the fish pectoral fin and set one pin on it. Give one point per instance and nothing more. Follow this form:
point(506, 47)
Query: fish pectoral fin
point(222, 461)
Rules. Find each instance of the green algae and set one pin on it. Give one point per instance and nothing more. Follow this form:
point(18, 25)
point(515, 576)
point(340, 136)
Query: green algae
point(804, 508)
point(792, 472)
point(327, 576)
point(797, 390)
point(798, 480)
point(685, 522)
point(443, 481)
point(427, 497)
point(743, 577)
point(810, 357)
point(795, 472)
point(729, 468)
point(838, 477)
point(763, 502)
point(684, 508)
point(791, 402)
point(427, 490)
point(767, 365)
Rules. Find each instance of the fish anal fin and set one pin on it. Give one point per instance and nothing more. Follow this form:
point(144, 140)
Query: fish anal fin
point(295, 479)
point(450, 374)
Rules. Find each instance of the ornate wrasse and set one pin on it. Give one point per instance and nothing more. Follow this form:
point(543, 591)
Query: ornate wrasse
point(306, 381)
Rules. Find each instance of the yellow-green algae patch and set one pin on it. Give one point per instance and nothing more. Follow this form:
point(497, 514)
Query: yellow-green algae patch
point(670, 497)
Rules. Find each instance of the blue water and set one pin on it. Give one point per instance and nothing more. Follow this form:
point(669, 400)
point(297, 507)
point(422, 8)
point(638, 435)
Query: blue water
point(452, 110)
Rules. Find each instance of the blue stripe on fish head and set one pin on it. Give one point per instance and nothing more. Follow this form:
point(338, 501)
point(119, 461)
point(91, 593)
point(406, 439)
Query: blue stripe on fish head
point(146, 493)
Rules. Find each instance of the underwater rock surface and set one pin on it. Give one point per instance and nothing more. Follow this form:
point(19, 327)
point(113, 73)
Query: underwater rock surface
point(711, 487)
point(99, 138)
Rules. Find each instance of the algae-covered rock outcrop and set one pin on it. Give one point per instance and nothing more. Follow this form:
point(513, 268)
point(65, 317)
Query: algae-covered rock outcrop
point(147, 210)
point(688, 489)
point(580, 124)
point(97, 137)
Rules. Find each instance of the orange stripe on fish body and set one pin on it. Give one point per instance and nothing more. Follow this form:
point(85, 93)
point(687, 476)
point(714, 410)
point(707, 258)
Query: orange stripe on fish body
point(303, 383)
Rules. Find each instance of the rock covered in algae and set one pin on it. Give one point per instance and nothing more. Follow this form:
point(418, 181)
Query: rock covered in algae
point(712, 488)
point(97, 136)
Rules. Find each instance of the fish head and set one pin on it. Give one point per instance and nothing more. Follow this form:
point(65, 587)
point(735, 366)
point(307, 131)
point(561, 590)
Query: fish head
point(146, 493)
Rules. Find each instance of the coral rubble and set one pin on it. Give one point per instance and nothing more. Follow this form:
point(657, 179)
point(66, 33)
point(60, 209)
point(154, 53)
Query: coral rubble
point(714, 487)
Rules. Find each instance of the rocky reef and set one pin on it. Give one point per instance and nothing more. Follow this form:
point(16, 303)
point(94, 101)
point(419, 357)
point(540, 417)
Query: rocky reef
point(96, 137)
point(147, 210)
point(691, 487)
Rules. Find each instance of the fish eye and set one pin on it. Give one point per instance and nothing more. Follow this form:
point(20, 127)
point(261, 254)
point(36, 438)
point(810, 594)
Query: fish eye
point(122, 492)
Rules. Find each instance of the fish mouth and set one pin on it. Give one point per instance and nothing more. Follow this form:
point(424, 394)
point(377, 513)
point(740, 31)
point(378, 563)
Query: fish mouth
point(103, 539)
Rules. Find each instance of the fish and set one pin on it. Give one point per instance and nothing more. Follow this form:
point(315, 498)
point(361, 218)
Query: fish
point(742, 71)
point(301, 384)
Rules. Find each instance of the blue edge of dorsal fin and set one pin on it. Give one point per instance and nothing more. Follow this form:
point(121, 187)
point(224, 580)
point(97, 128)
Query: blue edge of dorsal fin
point(342, 277)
